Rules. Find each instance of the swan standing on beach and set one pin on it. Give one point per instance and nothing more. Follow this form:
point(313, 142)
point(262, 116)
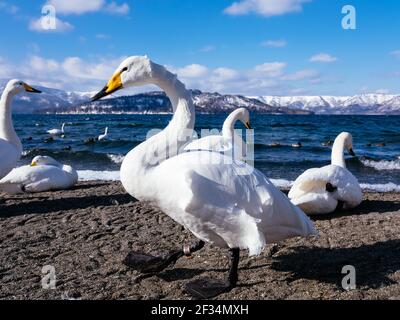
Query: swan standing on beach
point(10, 145)
point(225, 203)
point(43, 174)
point(103, 136)
point(57, 132)
point(228, 141)
point(324, 190)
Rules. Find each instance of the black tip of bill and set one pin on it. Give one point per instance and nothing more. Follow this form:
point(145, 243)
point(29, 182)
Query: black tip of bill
point(351, 152)
point(100, 94)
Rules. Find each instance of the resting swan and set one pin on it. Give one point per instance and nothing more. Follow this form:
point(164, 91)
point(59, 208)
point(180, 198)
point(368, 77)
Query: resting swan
point(228, 204)
point(10, 145)
point(223, 143)
point(323, 190)
point(43, 174)
point(57, 132)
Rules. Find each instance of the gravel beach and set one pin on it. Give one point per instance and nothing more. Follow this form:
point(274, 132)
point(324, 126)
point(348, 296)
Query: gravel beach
point(85, 234)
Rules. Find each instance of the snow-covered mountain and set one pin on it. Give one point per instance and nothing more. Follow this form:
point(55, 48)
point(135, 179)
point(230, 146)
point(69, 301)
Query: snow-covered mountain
point(158, 102)
point(60, 101)
point(358, 104)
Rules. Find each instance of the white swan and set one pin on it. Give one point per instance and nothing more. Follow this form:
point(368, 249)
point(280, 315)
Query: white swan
point(323, 190)
point(226, 203)
point(103, 136)
point(10, 145)
point(57, 132)
point(229, 138)
point(43, 174)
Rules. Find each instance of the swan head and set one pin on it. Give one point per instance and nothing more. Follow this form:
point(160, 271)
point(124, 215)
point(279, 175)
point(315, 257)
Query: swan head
point(133, 71)
point(347, 139)
point(17, 86)
point(244, 116)
point(44, 161)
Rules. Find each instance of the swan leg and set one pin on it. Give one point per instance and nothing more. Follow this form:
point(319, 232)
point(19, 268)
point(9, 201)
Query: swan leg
point(146, 263)
point(209, 288)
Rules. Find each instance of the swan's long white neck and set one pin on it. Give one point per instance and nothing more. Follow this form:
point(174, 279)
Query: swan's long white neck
point(138, 164)
point(338, 153)
point(228, 127)
point(7, 131)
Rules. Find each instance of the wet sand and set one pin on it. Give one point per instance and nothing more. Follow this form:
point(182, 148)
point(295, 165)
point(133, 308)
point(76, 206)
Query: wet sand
point(86, 232)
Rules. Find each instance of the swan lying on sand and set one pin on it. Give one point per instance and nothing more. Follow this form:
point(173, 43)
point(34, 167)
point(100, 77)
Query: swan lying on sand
point(43, 174)
point(10, 145)
point(223, 202)
point(323, 190)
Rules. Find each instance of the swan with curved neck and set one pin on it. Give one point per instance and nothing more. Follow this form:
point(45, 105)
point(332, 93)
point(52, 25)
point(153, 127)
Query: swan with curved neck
point(10, 145)
point(230, 205)
point(229, 141)
point(43, 174)
point(55, 132)
point(103, 136)
point(344, 141)
point(327, 189)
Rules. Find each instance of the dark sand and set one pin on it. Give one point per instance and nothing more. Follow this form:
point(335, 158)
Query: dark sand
point(85, 233)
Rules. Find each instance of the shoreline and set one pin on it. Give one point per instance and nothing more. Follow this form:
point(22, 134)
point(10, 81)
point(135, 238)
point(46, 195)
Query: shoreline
point(87, 231)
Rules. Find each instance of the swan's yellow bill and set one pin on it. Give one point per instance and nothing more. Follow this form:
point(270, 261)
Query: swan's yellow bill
point(114, 84)
point(28, 88)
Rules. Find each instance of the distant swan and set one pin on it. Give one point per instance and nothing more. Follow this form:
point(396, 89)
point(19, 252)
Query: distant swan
point(228, 138)
point(226, 203)
point(103, 136)
point(43, 174)
point(323, 190)
point(10, 145)
point(57, 132)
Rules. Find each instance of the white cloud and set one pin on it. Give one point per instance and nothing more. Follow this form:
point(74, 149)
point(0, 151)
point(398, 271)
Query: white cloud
point(76, 6)
point(301, 75)
point(113, 7)
point(323, 57)
point(61, 26)
point(76, 73)
point(396, 53)
point(87, 6)
point(267, 8)
point(270, 69)
point(8, 8)
point(274, 43)
point(193, 71)
point(207, 48)
point(382, 91)
point(102, 36)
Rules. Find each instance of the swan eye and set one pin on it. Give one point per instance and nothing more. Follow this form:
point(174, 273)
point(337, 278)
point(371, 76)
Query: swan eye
point(124, 69)
point(330, 187)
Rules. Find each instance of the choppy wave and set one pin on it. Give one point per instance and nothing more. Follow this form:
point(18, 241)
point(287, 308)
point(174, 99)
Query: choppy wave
point(382, 165)
point(116, 158)
point(92, 175)
point(387, 187)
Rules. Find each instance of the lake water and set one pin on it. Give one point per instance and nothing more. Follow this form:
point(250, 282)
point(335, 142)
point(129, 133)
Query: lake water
point(376, 167)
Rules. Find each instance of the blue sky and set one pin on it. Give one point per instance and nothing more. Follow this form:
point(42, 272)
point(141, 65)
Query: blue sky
point(252, 47)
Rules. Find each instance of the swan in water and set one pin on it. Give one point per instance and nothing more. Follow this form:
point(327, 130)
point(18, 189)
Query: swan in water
point(57, 132)
point(323, 190)
point(10, 145)
point(43, 174)
point(229, 138)
point(223, 202)
point(103, 136)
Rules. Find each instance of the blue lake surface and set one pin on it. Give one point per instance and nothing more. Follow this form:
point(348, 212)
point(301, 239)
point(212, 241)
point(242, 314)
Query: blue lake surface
point(374, 164)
